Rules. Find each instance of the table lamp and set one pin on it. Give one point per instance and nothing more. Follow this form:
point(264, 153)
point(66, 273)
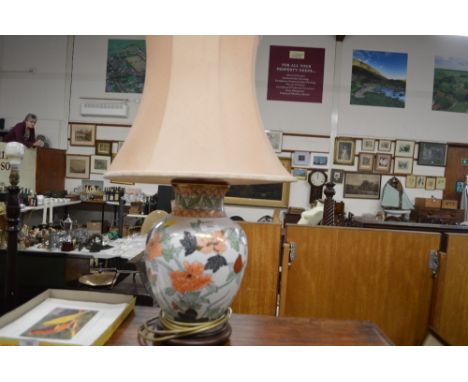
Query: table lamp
point(198, 128)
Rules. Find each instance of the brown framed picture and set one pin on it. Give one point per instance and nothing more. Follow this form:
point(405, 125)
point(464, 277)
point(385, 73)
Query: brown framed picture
point(361, 186)
point(77, 166)
point(337, 176)
point(368, 144)
point(404, 149)
point(82, 135)
point(344, 151)
point(100, 163)
point(430, 183)
point(103, 148)
point(385, 145)
point(265, 195)
point(383, 163)
point(440, 183)
point(420, 181)
point(403, 166)
point(365, 162)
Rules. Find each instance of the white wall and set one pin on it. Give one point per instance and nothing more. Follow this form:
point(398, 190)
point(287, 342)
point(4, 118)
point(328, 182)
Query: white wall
point(46, 92)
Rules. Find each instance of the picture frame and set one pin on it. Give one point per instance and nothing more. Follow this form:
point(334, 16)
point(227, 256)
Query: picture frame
point(432, 154)
point(320, 160)
point(301, 158)
point(365, 162)
point(103, 147)
point(361, 186)
point(404, 149)
point(441, 183)
point(420, 181)
point(77, 166)
point(459, 184)
point(100, 164)
point(299, 173)
point(344, 151)
point(383, 163)
point(82, 134)
point(337, 176)
point(262, 195)
point(368, 144)
point(430, 183)
point(385, 145)
point(276, 139)
point(403, 166)
point(410, 181)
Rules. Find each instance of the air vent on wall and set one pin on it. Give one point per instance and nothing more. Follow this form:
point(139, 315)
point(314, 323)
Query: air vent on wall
point(104, 109)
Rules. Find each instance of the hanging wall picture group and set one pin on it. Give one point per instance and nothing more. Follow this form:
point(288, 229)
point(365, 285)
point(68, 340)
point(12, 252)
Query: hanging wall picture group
point(379, 78)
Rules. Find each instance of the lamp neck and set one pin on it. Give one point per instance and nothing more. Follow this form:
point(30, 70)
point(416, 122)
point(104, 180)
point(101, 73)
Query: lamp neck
point(199, 199)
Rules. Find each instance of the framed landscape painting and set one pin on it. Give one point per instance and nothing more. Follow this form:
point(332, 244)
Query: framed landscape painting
point(361, 186)
point(432, 154)
point(404, 148)
point(77, 166)
point(82, 135)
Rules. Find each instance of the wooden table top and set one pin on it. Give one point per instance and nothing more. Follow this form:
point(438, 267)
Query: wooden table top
point(253, 330)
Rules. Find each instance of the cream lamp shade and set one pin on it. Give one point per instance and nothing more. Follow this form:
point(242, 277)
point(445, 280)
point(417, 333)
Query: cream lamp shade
point(198, 118)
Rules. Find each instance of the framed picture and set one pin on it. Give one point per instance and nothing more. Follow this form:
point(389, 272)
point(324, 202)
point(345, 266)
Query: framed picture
point(366, 162)
point(276, 139)
point(82, 135)
point(368, 144)
point(301, 158)
point(383, 163)
point(361, 186)
point(411, 181)
point(385, 145)
point(430, 183)
point(404, 149)
point(320, 160)
point(344, 151)
point(100, 163)
point(77, 166)
point(420, 181)
point(403, 166)
point(265, 195)
point(103, 148)
point(432, 154)
point(337, 176)
point(440, 183)
point(299, 173)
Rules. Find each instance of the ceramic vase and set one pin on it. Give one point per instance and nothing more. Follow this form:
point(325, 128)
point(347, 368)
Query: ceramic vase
point(195, 258)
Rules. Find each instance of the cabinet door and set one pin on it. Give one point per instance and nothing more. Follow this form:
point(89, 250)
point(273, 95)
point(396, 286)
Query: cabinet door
point(259, 288)
point(450, 306)
point(362, 274)
point(50, 170)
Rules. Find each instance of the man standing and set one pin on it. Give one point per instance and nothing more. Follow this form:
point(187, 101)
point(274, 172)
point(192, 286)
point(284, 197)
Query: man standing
point(24, 132)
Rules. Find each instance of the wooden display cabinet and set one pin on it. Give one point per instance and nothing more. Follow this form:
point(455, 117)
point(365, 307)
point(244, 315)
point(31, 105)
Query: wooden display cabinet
point(50, 170)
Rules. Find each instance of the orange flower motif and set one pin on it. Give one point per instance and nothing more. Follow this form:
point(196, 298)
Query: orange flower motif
point(209, 243)
point(191, 279)
point(154, 248)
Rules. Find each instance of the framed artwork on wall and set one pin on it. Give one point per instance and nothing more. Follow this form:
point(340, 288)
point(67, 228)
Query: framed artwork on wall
point(368, 144)
point(82, 135)
point(265, 195)
point(100, 163)
point(420, 181)
point(77, 166)
point(103, 148)
point(276, 139)
point(365, 162)
point(440, 183)
point(411, 181)
point(361, 186)
point(344, 151)
point(404, 148)
point(299, 173)
point(432, 154)
point(337, 176)
point(301, 158)
point(403, 166)
point(385, 145)
point(430, 183)
point(320, 160)
point(383, 163)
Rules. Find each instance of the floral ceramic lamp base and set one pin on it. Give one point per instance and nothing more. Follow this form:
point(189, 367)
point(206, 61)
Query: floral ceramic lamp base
point(195, 260)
